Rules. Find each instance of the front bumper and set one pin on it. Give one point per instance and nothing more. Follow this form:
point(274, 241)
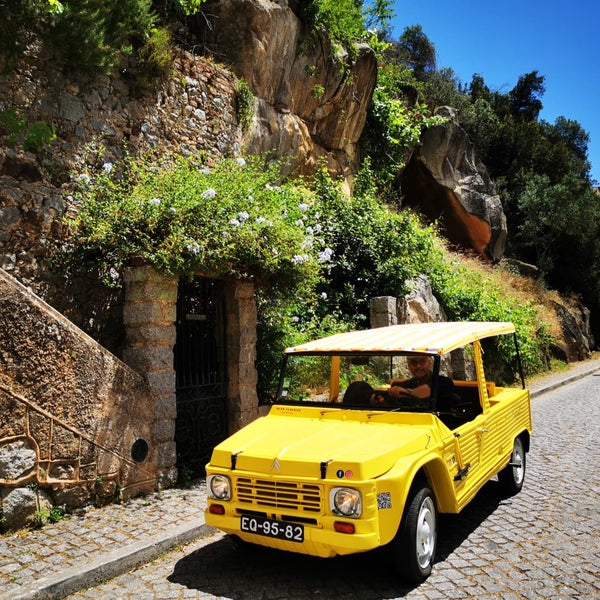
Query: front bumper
point(320, 539)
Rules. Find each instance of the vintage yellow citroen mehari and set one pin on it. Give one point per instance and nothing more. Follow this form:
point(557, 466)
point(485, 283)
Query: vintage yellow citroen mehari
point(373, 433)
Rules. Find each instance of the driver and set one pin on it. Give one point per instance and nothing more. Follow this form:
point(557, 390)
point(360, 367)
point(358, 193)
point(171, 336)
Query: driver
point(419, 386)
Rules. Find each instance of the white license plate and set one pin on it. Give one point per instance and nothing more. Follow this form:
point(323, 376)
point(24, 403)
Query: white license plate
point(292, 532)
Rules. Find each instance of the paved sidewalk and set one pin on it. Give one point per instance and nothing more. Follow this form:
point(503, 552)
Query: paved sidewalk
point(95, 545)
point(98, 544)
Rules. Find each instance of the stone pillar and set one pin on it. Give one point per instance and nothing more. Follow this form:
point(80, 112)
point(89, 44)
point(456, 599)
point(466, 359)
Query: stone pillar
point(241, 354)
point(149, 316)
point(383, 311)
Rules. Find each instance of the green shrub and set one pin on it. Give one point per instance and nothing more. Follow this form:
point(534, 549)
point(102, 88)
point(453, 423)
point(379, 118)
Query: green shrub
point(317, 257)
point(244, 104)
point(89, 34)
point(185, 217)
point(34, 137)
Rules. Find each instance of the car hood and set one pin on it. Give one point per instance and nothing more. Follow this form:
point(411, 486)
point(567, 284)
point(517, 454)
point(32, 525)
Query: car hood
point(322, 443)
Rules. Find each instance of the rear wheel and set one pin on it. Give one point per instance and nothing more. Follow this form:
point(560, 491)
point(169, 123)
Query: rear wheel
point(415, 543)
point(511, 478)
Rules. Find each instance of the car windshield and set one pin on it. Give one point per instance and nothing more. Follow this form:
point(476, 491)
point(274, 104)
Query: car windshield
point(364, 381)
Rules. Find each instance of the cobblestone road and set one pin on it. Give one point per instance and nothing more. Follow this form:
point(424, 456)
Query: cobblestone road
point(542, 544)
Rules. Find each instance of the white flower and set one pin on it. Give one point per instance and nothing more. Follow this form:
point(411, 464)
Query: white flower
point(310, 230)
point(269, 187)
point(240, 161)
point(303, 207)
point(83, 178)
point(300, 259)
point(194, 248)
point(234, 222)
point(205, 171)
point(108, 167)
point(173, 209)
point(260, 220)
point(300, 223)
point(209, 193)
point(295, 319)
point(155, 201)
point(326, 255)
point(243, 216)
point(324, 295)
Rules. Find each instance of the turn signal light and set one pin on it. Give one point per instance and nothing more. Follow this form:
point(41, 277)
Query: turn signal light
point(343, 527)
point(216, 509)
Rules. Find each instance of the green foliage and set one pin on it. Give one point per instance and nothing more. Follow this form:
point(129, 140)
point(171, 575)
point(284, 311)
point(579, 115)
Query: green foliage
point(346, 22)
point(34, 138)
point(393, 127)
point(373, 250)
point(184, 218)
point(189, 7)
point(89, 34)
point(316, 256)
point(155, 53)
point(416, 51)
point(38, 136)
point(244, 104)
point(340, 20)
point(468, 296)
point(552, 227)
point(43, 517)
point(14, 123)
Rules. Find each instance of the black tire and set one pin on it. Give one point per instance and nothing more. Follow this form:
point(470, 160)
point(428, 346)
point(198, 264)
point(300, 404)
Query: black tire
point(511, 478)
point(416, 541)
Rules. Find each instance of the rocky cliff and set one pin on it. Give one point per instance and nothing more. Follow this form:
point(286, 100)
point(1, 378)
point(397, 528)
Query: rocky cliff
point(311, 101)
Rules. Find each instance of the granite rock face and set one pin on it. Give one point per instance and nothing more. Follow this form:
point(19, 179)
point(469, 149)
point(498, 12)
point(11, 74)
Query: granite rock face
point(445, 180)
point(312, 100)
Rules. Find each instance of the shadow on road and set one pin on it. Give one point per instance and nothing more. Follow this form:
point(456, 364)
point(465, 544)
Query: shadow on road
point(224, 569)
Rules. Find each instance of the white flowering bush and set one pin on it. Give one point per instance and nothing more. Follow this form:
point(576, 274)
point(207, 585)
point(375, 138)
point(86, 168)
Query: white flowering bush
point(317, 256)
point(186, 217)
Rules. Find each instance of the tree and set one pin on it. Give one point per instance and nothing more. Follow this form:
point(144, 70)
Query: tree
point(478, 90)
point(415, 50)
point(525, 97)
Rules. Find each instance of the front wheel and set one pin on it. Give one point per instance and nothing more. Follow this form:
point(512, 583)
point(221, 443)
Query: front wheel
point(511, 478)
point(415, 543)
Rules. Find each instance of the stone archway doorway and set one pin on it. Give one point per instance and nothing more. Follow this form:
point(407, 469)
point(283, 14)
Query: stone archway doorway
point(200, 361)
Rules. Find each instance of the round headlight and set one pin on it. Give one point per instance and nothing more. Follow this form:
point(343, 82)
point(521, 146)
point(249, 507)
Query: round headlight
point(346, 501)
point(219, 487)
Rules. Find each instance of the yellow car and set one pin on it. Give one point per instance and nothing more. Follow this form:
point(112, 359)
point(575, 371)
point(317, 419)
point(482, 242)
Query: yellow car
point(373, 434)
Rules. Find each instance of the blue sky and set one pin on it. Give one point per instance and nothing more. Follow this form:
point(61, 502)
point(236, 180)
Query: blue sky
point(504, 39)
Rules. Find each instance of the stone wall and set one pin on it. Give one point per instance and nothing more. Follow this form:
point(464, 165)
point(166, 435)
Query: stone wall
point(96, 120)
point(101, 411)
point(74, 421)
point(150, 314)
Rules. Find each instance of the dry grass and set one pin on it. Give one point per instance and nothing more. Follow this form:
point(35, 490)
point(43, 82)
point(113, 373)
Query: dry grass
point(521, 288)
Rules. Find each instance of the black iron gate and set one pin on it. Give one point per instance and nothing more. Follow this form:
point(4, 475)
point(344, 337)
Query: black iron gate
point(201, 373)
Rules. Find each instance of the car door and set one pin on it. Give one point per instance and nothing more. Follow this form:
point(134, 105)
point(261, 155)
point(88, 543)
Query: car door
point(463, 453)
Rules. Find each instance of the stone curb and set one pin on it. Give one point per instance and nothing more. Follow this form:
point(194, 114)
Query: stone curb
point(548, 387)
point(109, 565)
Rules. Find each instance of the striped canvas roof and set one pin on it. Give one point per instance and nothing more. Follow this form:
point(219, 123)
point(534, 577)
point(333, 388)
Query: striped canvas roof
point(430, 338)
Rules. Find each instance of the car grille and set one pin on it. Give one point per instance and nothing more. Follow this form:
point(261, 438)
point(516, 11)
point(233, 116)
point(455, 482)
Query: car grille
point(286, 495)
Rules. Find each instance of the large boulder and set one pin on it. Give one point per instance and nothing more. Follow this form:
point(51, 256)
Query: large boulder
point(312, 99)
point(420, 305)
point(444, 180)
point(22, 506)
point(577, 337)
